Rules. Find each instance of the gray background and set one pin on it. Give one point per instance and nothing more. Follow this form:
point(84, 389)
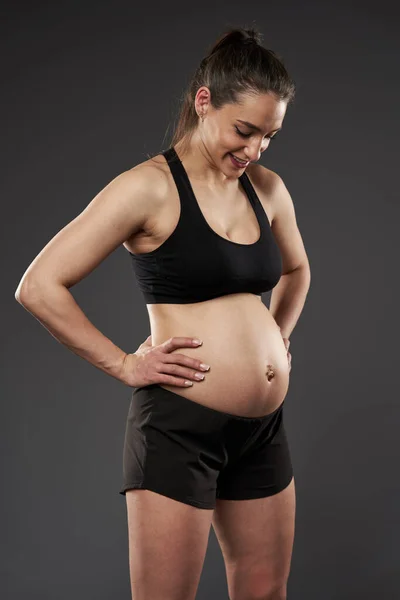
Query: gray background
point(87, 90)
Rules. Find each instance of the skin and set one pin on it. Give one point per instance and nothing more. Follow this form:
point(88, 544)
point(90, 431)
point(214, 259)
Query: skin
point(240, 339)
point(216, 136)
point(242, 343)
point(140, 208)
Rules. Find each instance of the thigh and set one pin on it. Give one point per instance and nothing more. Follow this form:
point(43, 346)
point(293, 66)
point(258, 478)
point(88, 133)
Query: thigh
point(256, 539)
point(167, 546)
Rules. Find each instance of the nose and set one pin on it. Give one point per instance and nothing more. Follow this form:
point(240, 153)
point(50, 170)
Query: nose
point(254, 150)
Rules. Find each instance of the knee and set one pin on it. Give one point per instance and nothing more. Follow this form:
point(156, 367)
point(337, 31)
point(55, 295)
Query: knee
point(276, 593)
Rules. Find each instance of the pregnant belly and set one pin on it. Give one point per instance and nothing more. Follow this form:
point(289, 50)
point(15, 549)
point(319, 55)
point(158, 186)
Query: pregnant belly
point(249, 372)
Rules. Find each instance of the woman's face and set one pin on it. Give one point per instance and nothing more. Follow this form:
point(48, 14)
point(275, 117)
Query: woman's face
point(243, 129)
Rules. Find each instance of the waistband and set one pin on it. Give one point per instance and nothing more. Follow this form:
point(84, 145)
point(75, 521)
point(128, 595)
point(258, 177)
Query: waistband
point(155, 391)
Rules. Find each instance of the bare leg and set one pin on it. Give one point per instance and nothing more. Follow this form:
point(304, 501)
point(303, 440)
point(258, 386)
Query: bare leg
point(256, 539)
point(167, 546)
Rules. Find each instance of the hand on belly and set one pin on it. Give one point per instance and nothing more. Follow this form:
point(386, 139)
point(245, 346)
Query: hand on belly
point(243, 345)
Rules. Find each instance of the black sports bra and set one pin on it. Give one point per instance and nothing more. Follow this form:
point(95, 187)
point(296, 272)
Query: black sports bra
point(195, 263)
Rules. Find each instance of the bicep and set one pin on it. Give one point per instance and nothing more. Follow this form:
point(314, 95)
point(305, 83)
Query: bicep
point(115, 213)
point(285, 228)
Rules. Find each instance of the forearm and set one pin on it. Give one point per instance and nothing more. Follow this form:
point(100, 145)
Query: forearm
point(55, 308)
point(288, 298)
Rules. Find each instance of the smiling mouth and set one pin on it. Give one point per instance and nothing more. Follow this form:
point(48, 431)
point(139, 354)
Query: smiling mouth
point(240, 160)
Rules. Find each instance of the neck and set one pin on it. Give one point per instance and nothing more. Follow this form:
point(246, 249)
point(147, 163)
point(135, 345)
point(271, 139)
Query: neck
point(200, 165)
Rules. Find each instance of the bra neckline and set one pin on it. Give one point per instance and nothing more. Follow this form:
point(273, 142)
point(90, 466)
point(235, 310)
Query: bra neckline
point(245, 189)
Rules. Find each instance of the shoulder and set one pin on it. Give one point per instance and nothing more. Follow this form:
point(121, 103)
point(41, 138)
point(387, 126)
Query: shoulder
point(265, 178)
point(153, 174)
point(151, 178)
point(268, 186)
point(150, 183)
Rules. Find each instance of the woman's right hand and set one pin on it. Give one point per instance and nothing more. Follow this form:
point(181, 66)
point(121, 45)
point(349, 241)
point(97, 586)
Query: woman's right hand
point(155, 364)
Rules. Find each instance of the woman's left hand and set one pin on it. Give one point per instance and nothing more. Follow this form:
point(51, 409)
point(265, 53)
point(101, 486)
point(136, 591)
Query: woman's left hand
point(286, 341)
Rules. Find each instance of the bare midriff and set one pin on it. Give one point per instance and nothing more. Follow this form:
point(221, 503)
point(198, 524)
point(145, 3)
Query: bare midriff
point(249, 371)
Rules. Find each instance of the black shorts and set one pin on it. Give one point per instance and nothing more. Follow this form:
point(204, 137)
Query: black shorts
point(195, 454)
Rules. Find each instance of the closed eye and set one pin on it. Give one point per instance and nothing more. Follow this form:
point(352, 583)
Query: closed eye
point(246, 135)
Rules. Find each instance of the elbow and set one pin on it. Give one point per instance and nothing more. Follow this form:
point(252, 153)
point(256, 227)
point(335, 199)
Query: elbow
point(28, 291)
point(307, 271)
point(304, 269)
point(20, 292)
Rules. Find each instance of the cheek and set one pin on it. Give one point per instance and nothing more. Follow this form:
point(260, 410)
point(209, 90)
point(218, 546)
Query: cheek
point(230, 142)
point(223, 141)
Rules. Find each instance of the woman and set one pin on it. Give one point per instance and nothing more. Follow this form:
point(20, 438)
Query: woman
point(208, 231)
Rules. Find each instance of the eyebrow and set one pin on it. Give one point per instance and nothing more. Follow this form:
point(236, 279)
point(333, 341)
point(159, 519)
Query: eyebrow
point(255, 126)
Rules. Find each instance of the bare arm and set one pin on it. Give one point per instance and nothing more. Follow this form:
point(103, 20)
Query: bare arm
point(116, 213)
point(289, 295)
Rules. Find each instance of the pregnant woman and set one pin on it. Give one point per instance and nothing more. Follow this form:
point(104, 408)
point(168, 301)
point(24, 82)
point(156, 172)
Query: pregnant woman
point(208, 230)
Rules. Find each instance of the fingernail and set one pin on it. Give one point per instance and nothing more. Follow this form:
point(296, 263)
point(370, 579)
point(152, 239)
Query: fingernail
point(198, 342)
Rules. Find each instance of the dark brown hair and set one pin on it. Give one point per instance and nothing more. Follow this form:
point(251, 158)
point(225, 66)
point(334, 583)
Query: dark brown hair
point(237, 64)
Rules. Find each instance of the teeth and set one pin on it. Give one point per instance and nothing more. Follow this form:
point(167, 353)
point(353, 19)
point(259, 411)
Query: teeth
point(239, 160)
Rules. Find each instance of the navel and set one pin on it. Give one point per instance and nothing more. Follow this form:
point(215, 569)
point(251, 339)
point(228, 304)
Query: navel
point(270, 372)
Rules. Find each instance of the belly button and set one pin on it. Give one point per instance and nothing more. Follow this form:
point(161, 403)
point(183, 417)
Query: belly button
point(270, 372)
